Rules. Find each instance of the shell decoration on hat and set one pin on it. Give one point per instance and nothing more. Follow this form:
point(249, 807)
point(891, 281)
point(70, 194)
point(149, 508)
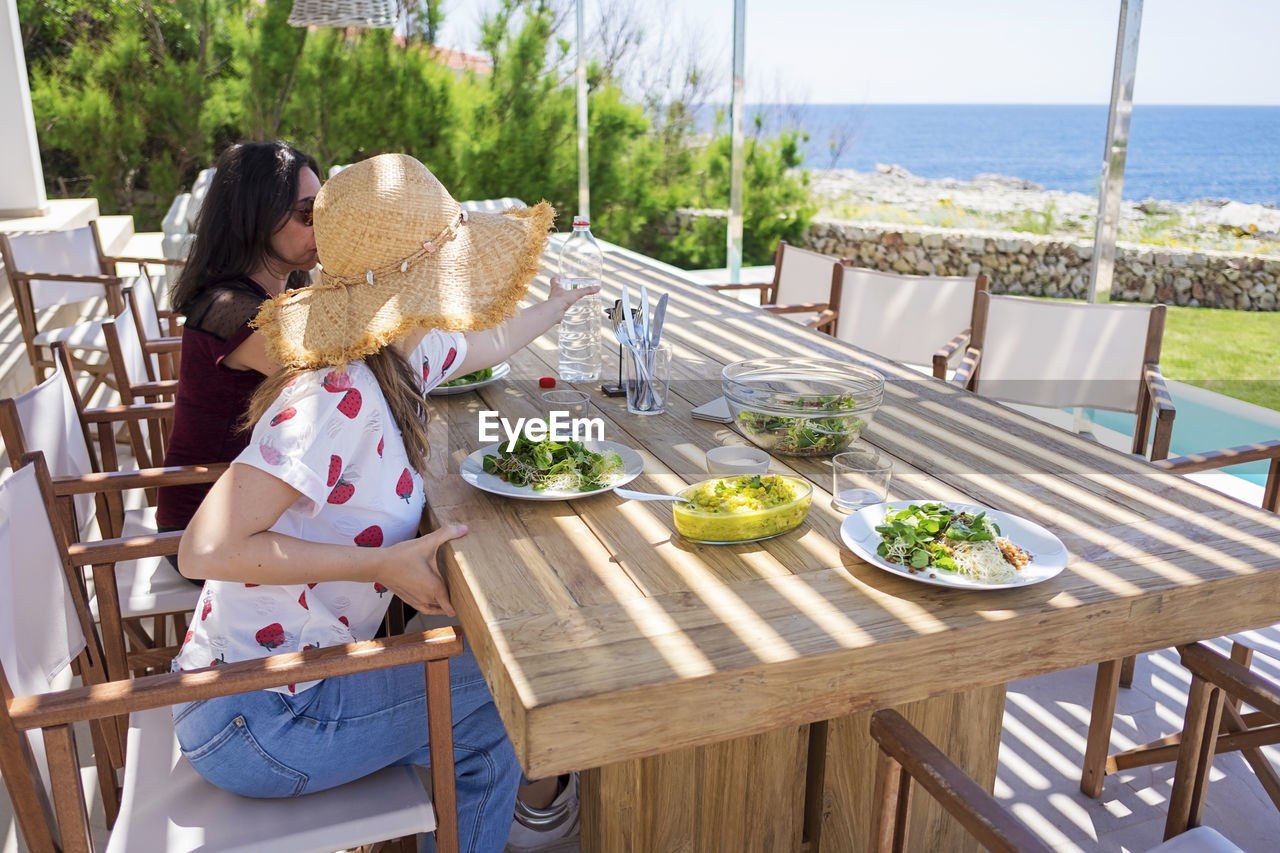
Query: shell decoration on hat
point(397, 253)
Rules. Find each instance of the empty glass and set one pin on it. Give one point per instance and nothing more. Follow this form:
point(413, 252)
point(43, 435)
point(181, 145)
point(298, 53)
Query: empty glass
point(860, 477)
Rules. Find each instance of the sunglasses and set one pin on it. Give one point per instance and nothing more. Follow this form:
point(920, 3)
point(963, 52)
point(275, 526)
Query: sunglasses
point(306, 212)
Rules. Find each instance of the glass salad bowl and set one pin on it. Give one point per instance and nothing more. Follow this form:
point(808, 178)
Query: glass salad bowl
point(814, 408)
point(745, 508)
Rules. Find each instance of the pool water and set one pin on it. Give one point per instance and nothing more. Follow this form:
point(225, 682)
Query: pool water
point(1208, 421)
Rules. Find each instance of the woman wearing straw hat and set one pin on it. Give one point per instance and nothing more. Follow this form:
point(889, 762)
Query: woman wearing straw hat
point(315, 521)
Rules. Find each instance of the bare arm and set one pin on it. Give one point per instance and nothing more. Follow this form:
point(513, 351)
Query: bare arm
point(230, 539)
point(487, 348)
point(252, 355)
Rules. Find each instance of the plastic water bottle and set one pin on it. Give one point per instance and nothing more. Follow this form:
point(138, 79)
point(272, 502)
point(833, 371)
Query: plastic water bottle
point(581, 265)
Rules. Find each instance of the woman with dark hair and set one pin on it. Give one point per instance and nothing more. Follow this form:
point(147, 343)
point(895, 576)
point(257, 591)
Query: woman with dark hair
point(253, 241)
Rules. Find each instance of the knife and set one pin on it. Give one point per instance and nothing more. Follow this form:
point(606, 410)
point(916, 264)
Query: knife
point(659, 314)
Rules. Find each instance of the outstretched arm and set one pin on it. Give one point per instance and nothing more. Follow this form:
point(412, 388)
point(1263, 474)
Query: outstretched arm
point(487, 348)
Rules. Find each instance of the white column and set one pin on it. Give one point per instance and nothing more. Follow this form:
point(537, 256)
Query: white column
point(22, 185)
point(733, 238)
point(1102, 267)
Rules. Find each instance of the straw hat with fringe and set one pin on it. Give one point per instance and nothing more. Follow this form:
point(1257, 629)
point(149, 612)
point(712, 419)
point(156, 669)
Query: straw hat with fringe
point(397, 253)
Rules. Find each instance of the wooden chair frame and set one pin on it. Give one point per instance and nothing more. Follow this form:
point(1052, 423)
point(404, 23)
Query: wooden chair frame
point(150, 447)
point(1112, 675)
point(826, 312)
point(166, 349)
point(20, 279)
point(1154, 406)
point(905, 756)
point(1218, 687)
point(106, 702)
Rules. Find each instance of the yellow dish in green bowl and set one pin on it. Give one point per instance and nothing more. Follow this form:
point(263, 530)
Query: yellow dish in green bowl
point(746, 508)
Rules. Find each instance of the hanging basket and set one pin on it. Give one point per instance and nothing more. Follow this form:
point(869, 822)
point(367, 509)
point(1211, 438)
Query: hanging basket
point(344, 13)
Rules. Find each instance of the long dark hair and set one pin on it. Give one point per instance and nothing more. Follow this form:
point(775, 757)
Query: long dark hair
point(253, 190)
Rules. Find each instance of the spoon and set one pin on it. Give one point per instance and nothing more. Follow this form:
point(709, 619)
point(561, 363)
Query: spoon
point(648, 496)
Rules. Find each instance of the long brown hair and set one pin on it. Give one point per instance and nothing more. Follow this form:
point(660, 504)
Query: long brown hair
point(253, 191)
point(399, 385)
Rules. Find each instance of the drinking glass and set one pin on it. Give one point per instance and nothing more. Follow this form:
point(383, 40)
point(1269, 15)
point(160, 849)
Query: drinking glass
point(647, 379)
point(860, 477)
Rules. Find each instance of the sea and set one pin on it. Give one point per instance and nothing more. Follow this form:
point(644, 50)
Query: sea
point(1176, 153)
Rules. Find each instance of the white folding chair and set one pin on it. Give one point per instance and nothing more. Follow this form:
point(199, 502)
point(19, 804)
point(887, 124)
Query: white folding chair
point(806, 287)
point(920, 320)
point(47, 419)
point(55, 273)
point(1061, 355)
point(165, 804)
point(131, 371)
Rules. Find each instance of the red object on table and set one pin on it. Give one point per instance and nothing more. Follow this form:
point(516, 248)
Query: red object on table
point(547, 382)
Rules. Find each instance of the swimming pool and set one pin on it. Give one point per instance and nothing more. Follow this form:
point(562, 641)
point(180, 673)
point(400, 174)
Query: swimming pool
point(1207, 421)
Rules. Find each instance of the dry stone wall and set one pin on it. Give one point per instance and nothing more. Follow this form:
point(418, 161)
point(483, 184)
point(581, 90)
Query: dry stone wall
point(1046, 265)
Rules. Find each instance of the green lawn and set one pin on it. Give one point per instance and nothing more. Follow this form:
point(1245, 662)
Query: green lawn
point(1236, 353)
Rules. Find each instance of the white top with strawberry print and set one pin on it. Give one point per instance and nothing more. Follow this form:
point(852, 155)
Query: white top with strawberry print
point(330, 435)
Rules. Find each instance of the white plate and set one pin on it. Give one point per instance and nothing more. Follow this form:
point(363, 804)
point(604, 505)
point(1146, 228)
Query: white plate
point(500, 370)
point(1048, 554)
point(473, 472)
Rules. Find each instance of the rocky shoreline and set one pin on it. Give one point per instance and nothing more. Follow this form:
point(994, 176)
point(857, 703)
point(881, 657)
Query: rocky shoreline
point(997, 202)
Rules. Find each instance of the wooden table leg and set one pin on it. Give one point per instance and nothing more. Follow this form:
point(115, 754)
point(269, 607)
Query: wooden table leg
point(966, 726)
point(740, 795)
point(750, 794)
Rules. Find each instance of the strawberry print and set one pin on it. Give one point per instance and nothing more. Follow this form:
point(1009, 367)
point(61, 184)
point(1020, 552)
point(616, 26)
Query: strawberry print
point(270, 455)
point(404, 486)
point(370, 537)
point(333, 382)
point(302, 599)
point(349, 405)
point(379, 589)
point(270, 637)
point(344, 621)
point(426, 369)
point(251, 585)
point(291, 688)
point(187, 638)
point(449, 359)
point(207, 609)
point(342, 492)
point(381, 442)
point(311, 586)
point(221, 660)
point(284, 415)
point(335, 469)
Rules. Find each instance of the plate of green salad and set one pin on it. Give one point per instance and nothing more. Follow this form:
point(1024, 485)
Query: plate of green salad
point(953, 544)
point(551, 470)
point(471, 381)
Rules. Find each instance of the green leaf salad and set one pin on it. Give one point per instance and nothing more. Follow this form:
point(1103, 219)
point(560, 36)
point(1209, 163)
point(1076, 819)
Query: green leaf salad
point(475, 376)
point(551, 465)
point(935, 536)
point(809, 432)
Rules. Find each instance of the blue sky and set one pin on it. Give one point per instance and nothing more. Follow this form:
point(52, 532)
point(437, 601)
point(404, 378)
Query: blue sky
point(965, 51)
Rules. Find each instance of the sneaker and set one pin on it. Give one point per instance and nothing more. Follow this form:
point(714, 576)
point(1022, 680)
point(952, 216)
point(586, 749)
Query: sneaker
point(550, 829)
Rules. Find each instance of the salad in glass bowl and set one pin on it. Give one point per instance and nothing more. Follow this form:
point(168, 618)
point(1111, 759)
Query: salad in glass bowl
point(816, 408)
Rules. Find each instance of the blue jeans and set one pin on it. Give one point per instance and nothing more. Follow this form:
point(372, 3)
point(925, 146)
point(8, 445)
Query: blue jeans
point(268, 744)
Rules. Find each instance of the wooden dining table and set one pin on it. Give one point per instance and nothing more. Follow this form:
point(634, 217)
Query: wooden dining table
point(717, 697)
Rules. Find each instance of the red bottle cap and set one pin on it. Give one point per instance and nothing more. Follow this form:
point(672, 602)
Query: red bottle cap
point(547, 382)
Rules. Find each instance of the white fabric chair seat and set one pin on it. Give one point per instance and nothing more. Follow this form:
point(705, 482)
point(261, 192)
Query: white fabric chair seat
point(1202, 839)
point(81, 336)
point(149, 586)
point(168, 806)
